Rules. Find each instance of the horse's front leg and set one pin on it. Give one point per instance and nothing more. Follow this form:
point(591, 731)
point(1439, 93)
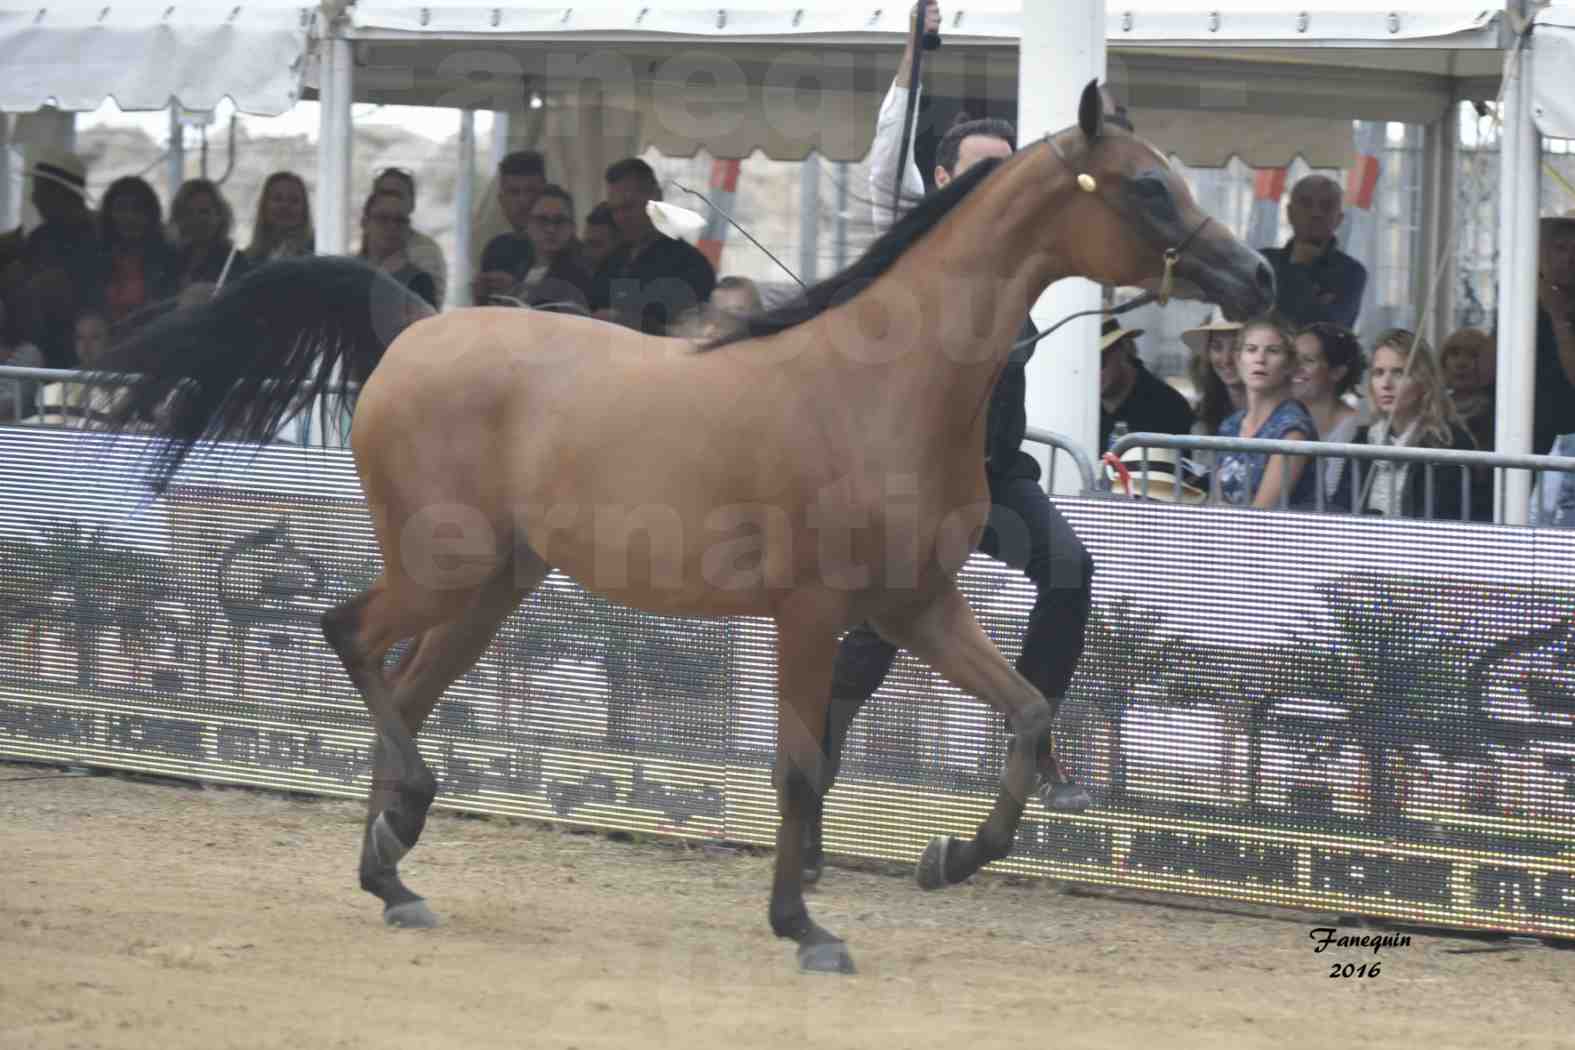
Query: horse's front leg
point(806, 649)
point(946, 635)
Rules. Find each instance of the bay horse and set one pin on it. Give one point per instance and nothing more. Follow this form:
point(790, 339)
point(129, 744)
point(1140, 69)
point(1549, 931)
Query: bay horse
point(824, 472)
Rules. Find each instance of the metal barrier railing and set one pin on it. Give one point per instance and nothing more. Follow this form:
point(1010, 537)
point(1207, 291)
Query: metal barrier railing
point(1062, 443)
point(1469, 463)
point(27, 384)
point(79, 396)
point(64, 397)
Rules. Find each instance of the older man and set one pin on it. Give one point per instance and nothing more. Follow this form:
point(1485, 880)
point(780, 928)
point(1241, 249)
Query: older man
point(1316, 280)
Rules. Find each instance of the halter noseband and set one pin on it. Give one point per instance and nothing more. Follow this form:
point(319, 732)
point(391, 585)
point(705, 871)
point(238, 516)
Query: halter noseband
point(1088, 184)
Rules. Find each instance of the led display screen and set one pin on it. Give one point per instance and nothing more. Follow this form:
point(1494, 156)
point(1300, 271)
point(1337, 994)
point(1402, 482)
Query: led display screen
point(1373, 716)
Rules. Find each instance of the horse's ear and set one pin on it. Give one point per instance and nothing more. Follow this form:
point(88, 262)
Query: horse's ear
point(1091, 112)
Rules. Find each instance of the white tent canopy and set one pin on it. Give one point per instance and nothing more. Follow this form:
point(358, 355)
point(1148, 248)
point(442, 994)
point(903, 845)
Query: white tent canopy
point(1553, 102)
point(75, 54)
point(791, 79)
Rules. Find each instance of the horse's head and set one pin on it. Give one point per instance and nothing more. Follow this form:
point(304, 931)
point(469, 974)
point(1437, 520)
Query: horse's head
point(1138, 225)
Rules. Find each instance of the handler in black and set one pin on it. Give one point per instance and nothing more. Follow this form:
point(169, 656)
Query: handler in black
point(1024, 529)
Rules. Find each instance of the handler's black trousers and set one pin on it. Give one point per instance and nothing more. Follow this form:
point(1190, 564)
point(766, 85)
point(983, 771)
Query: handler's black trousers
point(1025, 531)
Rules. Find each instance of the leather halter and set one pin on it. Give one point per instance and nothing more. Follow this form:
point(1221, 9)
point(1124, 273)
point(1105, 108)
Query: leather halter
point(1172, 255)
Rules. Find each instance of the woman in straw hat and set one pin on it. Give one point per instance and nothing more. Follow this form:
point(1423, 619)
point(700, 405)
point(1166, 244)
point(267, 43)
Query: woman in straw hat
point(1213, 369)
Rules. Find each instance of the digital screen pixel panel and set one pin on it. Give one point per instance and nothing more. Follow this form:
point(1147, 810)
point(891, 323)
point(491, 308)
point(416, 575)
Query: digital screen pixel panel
point(1372, 716)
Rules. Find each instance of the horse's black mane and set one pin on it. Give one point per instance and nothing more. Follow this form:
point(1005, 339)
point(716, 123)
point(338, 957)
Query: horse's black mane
point(876, 260)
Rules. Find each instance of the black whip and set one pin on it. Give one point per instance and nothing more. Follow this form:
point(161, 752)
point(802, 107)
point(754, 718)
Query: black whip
point(918, 44)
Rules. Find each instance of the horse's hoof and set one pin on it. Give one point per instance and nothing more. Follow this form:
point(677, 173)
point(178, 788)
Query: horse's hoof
point(1065, 797)
point(411, 915)
point(930, 873)
point(825, 957)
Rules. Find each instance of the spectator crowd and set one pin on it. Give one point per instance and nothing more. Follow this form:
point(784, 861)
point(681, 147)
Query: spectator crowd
point(1301, 374)
point(87, 275)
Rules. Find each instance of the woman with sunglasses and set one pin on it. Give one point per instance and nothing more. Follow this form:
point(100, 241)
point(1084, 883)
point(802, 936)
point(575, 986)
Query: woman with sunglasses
point(385, 228)
point(420, 249)
point(559, 278)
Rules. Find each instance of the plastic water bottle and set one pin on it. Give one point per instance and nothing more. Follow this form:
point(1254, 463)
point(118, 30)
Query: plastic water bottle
point(1117, 432)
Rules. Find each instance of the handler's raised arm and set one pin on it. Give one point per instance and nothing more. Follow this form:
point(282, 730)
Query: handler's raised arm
point(884, 152)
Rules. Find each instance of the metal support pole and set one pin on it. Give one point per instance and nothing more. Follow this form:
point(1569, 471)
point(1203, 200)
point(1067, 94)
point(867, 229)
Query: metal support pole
point(809, 218)
point(1439, 142)
point(842, 215)
point(1517, 295)
point(1062, 48)
point(333, 146)
point(175, 159)
point(500, 139)
point(464, 195)
point(8, 207)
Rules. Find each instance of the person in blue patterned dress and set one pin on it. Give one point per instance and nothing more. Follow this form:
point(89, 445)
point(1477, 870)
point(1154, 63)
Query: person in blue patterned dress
point(1266, 362)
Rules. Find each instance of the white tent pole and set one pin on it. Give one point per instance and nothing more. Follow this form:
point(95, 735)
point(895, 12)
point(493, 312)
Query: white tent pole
point(1438, 222)
point(459, 269)
point(842, 215)
point(329, 423)
point(809, 218)
point(1062, 48)
point(500, 139)
point(1520, 155)
point(176, 159)
point(322, 209)
point(334, 144)
point(8, 211)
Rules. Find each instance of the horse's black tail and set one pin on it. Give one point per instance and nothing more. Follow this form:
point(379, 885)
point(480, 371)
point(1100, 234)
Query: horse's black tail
point(237, 366)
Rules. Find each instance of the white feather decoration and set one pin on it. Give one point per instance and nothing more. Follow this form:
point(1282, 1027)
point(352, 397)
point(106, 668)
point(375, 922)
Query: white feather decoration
point(675, 221)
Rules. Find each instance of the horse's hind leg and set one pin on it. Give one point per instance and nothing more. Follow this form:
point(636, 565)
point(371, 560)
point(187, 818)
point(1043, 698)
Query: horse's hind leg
point(398, 804)
point(805, 652)
point(946, 635)
point(863, 660)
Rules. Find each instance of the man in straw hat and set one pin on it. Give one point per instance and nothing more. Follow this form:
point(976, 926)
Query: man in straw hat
point(1153, 473)
point(1555, 390)
point(1129, 393)
point(59, 255)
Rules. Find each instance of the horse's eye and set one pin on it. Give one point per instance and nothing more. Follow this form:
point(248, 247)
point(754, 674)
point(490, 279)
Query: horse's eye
point(1150, 188)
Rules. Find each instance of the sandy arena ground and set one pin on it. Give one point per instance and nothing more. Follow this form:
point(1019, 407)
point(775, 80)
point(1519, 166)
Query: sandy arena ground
point(156, 917)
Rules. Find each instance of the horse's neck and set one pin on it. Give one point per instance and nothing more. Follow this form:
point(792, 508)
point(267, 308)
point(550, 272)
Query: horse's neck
point(953, 306)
